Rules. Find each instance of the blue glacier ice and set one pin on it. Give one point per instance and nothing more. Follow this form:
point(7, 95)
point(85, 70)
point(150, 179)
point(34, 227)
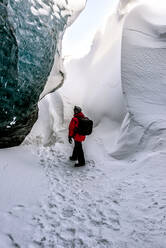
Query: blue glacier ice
point(30, 31)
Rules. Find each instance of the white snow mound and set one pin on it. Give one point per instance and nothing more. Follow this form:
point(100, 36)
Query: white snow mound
point(143, 81)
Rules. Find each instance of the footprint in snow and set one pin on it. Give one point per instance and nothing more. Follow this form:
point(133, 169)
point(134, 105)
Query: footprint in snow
point(104, 243)
point(14, 243)
point(19, 207)
point(90, 163)
point(67, 212)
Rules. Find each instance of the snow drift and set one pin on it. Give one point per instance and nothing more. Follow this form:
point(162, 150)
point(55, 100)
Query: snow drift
point(143, 81)
point(94, 81)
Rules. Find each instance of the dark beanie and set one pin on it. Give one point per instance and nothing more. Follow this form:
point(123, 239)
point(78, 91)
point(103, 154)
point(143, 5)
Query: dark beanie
point(77, 109)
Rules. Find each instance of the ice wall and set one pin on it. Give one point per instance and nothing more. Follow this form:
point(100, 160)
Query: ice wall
point(30, 43)
point(144, 80)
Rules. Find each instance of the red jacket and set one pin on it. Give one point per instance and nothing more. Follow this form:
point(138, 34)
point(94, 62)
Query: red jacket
point(74, 124)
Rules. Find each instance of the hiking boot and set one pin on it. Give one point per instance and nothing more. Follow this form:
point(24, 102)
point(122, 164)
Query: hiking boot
point(79, 165)
point(72, 159)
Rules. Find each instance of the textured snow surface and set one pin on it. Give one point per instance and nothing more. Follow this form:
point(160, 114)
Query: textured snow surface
point(143, 81)
point(106, 204)
point(22, 185)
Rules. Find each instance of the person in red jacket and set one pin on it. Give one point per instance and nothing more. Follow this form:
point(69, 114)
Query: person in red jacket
point(78, 153)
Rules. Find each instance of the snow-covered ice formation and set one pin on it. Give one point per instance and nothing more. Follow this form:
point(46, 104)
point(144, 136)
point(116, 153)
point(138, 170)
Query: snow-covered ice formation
point(144, 80)
point(50, 121)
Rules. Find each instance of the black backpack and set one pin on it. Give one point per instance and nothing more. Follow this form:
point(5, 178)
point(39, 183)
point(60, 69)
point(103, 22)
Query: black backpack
point(85, 126)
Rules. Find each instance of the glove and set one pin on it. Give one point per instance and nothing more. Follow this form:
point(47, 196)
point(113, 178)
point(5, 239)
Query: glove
point(70, 139)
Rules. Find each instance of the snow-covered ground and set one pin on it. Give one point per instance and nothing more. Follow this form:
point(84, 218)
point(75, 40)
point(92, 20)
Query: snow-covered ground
point(46, 202)
point(22, 184)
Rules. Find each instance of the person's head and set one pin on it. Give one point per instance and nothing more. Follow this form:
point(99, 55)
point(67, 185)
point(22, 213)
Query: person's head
point(77, 109)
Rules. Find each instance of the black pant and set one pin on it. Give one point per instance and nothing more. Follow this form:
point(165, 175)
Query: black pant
point(78, 152)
